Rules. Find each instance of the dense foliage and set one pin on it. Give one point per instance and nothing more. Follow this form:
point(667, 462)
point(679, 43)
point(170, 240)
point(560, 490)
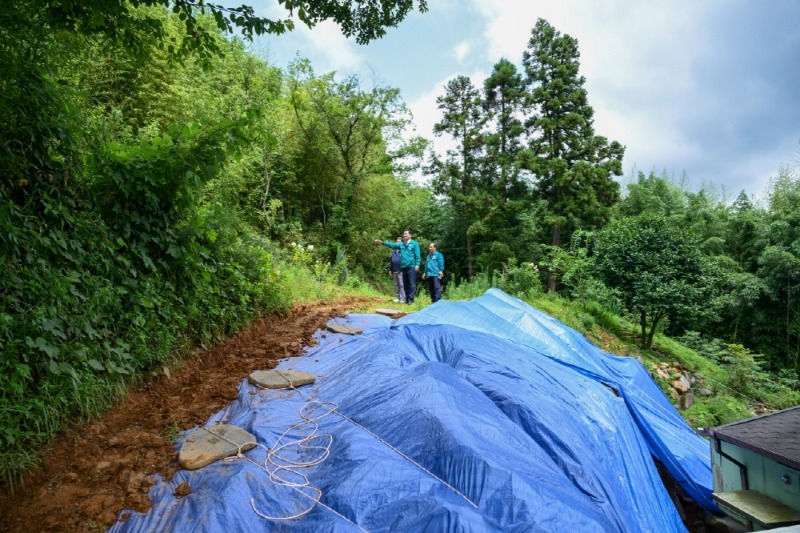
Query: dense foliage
point(162, 186)
point(658, 270)
point(529, 182)
point(147, 191)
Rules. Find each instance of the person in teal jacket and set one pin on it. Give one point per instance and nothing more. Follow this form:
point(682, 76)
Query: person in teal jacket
point(409, 262)
point(434, 270)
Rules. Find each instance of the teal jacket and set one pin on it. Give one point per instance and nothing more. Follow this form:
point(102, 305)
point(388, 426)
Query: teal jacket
point(409, 252)
point(434, 264)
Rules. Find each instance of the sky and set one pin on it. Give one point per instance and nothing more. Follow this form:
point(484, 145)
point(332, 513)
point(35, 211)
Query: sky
point(706, 89)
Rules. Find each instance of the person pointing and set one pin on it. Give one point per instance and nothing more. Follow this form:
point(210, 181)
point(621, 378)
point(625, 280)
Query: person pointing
point(409, 262)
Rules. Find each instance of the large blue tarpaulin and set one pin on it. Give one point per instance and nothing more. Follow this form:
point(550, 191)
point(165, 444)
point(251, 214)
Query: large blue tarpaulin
point(485, 415)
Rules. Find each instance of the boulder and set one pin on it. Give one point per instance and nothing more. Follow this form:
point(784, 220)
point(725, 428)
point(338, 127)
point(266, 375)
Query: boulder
point(281, 379)
point(679, 385)
point(686, 400)
point(673, 394)
point(204, 446)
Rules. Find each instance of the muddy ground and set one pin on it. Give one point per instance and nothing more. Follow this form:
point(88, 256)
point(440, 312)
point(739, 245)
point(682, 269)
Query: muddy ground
point(92, 472)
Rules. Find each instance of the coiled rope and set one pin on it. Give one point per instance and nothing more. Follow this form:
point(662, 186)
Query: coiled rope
point(287, 472)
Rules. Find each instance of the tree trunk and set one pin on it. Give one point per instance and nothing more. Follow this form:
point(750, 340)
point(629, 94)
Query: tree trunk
point(652, 333)
point(266, 189)
point(321, 194)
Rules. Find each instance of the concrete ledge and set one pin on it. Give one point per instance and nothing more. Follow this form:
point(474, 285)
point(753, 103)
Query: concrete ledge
point(758, 507)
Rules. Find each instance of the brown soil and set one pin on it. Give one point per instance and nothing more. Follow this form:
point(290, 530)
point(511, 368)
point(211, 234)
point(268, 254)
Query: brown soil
point(92, 472)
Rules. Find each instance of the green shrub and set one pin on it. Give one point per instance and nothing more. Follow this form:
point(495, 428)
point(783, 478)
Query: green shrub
point(520, 280)
point(716, 411)
point(466, 290)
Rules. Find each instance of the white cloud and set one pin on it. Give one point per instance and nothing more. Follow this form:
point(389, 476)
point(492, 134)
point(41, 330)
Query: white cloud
point(332, 50)
point(637, 61)
point(323, 44)
point(461, 50)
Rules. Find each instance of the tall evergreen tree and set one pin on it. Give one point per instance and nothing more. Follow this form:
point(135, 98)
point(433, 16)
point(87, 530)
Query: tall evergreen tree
point(459, 176)
point(573, 167)
point(504, 92)
point(507, 194)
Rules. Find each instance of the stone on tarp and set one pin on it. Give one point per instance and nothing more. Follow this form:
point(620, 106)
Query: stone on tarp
point(345, 329)
point(390, 312)
point(204, 446)
point(274, 379)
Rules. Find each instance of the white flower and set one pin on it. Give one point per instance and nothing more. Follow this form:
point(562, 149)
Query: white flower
point(310, 247)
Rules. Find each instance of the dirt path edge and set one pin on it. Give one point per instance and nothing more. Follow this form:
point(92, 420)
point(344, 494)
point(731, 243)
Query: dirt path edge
point(92, 472)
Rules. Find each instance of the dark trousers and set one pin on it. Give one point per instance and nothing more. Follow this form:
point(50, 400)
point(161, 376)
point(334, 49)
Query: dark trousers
point(435, 288)
point(410, 283)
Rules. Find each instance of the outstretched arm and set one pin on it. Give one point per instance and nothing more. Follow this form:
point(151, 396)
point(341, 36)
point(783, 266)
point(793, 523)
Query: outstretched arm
point(387, 243)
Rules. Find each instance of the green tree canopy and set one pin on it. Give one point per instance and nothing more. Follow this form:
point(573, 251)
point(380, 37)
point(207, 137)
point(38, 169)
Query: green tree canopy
point(345, 132)
point(658, 270)
point(365, 20)
point(654, 194)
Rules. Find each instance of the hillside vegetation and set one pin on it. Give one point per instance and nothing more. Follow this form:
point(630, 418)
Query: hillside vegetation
point(163, 185)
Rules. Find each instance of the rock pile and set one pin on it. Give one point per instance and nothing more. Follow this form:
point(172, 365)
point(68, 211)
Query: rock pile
point(683, 385)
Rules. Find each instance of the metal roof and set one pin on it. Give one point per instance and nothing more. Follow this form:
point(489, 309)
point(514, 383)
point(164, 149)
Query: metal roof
point(774, 435)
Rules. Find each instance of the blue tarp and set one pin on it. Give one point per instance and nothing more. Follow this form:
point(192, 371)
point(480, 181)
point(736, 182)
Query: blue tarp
point(476, 416)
